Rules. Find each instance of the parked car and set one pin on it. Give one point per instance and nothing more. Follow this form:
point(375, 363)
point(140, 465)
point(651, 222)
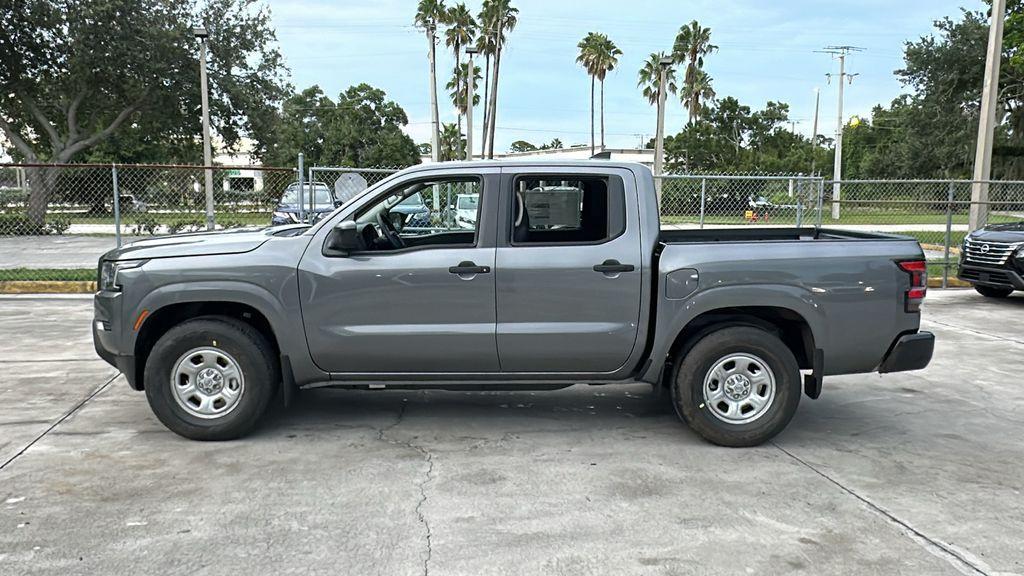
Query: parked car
point(992, 259)
point(411, 213)
point(466, 210)
point(316, 200)
point(736, 323)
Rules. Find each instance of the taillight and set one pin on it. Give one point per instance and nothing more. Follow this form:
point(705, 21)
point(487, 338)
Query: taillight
point(918, 271)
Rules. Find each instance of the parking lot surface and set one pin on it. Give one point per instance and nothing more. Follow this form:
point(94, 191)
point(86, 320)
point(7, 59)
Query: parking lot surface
point(914, 473)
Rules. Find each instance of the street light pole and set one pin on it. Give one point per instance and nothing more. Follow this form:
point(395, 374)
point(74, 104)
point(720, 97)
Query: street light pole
point(470, 80)
point(987, 122)
point(659, 139)
point(201, 33)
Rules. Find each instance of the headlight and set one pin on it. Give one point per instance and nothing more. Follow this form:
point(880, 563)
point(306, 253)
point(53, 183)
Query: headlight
point(1020, 253)
point(109, 270)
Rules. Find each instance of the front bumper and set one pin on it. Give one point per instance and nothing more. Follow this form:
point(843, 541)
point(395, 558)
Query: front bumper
point(990, 276)
point(106, 335)
point(909, 352)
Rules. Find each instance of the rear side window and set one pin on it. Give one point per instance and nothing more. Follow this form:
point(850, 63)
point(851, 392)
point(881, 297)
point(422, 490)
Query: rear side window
point(570, 209)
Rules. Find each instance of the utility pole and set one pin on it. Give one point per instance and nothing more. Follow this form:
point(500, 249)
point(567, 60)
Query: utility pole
point(471, 79)
point(659, 138)
point(201, 33)
point(814, 130)
point(987, 122)
point(837, 172)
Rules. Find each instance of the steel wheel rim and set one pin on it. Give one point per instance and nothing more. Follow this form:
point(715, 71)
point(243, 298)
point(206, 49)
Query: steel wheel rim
point(739, 388)
point(207, 382)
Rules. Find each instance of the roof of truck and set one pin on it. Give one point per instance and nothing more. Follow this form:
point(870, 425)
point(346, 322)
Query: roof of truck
point(532, 163)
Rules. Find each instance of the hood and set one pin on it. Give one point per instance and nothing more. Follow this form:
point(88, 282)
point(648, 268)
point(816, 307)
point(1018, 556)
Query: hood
point(197, 244)
point(1010, 232)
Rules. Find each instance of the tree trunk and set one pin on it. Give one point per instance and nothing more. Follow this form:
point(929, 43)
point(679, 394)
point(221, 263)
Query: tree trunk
point(487, 83)
point(42, 182)
point(435, 136)
point(602, 115)
point(494, 100)
point(591, 115)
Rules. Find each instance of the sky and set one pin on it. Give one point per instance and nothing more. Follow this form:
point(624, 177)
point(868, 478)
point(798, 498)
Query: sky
point(768, 50)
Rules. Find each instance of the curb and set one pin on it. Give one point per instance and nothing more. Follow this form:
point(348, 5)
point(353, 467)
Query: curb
point(953, 282)
point(46, 287)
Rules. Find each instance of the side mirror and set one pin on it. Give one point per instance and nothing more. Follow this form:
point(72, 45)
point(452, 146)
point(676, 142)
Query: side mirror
point(343, 239)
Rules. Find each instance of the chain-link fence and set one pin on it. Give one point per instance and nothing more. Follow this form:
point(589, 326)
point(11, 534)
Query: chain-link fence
point(696, 200)
point(55, 221)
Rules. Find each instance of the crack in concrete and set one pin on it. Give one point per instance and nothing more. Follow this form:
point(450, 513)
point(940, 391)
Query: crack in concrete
point(935, 547)
point(60, 420)
point(429, 459)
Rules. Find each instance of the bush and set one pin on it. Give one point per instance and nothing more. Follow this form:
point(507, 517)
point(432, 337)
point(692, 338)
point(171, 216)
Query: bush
point(185, 226)
point(21, 225)
point(143, 225)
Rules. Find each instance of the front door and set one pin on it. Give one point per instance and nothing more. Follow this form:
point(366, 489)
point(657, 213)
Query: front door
point(419, 294)
point(569, 272)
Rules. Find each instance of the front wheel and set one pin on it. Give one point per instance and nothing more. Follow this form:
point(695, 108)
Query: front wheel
point(993, 291)
point(211, 378)
point(738, 386)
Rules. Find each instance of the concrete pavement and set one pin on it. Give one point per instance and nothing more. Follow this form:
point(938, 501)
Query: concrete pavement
point(917, 473)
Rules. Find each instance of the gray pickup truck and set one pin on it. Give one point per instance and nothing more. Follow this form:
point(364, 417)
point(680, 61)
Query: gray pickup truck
point(562, 276)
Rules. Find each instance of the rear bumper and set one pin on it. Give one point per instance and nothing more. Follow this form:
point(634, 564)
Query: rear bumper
point(986, 276)
point(909, 352)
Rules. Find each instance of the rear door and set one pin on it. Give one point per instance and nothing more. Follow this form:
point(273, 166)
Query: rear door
point(568, 270)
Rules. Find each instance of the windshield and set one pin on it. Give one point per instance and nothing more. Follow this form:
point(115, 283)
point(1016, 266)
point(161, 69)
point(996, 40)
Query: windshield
point(322, 200)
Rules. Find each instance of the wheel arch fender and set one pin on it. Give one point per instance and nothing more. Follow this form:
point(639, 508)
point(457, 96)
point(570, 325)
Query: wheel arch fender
point(763, 305)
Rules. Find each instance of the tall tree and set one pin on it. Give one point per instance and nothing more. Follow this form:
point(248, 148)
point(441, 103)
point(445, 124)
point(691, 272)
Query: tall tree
point(589, 47)
point(460, 32)
point(693, 93)
point(607, 58)
point(452, 143)
point(693, 43)
point(70, 81)
point(430, 14)
point(501, 17)
point(363, 128)
point(485, 44)
point(649, 77)
point(458, 89)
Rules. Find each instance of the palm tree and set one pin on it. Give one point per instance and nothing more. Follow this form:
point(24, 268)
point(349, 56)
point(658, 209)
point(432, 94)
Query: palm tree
point(607, 58)
point(692, 94)
point(429, 13)
point(485, 45)
point(588, 57)
point(650, 77)
point(692, 44)
point(458, 89)
point(452, 143)
point(496, 18)
point(460, 32)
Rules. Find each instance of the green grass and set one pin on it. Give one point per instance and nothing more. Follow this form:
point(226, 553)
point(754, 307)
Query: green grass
point(34, 274)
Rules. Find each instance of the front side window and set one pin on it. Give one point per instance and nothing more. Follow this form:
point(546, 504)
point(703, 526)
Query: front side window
point(441, 212)
point(553, 209)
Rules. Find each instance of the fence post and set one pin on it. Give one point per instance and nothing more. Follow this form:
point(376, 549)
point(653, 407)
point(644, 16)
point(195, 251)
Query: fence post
point(949, 234)
point(799, 201)
point(821, 201)
point(302, 203)
point(117, 205)
point(312, 192)
point(703, 195)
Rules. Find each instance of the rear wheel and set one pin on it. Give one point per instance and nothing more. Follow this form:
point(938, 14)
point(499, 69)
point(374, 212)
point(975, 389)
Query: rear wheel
point(211, 378)
point(738, 386)
point(993, 291)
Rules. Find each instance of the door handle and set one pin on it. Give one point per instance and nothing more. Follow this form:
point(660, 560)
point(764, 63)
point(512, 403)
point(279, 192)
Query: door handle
point(468, 267)
point(613, 266)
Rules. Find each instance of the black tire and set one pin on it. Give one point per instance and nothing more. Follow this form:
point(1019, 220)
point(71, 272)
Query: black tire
point(688, 386)
point(255, 358)
point(993, 291)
